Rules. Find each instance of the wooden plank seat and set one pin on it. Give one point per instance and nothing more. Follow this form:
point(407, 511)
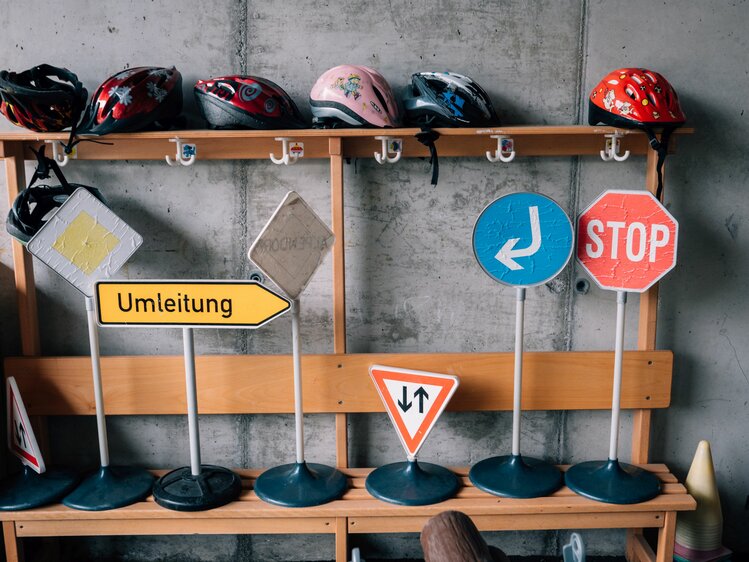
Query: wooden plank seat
point(339, 383)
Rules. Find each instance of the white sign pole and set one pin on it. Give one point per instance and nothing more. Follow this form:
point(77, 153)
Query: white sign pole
point(518, 389)
point(621, 305)
point(297, 355)
point(101, 422)
point(192, 400)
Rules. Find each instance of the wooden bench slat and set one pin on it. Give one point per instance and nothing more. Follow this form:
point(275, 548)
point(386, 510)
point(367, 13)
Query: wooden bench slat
point(140, 385)
point(515, 522)
point(199, 526)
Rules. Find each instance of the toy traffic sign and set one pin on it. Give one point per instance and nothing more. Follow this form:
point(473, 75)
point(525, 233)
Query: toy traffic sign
point(219, 304)
point(84, 241)
point(289, 250)
point(292, 245)
point(414, 400)
point(34, 486)
point(523, 239)
point(21, 439)
point(627, 240)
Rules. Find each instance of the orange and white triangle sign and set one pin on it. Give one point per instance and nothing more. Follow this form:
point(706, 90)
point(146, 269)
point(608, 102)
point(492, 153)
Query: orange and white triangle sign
point(21, 439)
point(414, 400)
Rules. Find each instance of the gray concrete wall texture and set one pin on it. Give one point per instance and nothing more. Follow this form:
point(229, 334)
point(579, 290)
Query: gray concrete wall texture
point(412, 281)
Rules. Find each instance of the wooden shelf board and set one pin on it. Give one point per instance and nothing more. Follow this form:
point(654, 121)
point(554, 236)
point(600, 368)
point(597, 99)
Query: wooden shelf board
point(336, 383)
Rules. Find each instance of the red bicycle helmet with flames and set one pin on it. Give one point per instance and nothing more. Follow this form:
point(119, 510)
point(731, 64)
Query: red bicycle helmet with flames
point(44, 98)
point(637, 98)
point(134, 99)
point(236, 102)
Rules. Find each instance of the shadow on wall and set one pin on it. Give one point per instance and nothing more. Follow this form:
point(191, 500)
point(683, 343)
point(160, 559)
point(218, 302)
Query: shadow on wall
point(9, 341)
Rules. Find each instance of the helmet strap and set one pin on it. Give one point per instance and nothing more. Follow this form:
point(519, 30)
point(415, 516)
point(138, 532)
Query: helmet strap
point(427, 137)
point(43, 167)
point(661, 147)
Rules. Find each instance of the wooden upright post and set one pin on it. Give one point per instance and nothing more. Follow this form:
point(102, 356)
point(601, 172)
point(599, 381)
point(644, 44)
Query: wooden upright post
point(22, 263)
point(646, 340)
point(335, 145)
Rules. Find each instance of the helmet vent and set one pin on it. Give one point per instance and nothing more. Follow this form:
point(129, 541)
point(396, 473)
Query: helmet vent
point(631, 92)
point(381, 99)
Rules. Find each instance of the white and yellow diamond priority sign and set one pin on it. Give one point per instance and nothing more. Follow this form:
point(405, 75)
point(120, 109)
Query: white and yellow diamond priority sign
point(84, 241)
point(292, 245)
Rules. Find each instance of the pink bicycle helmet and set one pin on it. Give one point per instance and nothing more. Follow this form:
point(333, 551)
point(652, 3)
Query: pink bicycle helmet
point(353, 96)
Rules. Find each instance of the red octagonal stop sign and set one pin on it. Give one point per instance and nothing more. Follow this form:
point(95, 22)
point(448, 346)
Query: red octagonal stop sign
point(626, 240)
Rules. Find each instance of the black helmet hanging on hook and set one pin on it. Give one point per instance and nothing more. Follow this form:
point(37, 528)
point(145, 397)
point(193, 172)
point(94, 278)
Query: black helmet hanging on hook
point(34, 206)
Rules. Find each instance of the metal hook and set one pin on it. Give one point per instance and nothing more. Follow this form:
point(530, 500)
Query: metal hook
point(287, 158)
point(58, 155)
point(389, 144)
point(185, 155)
point(505, 149)
point(611, 149)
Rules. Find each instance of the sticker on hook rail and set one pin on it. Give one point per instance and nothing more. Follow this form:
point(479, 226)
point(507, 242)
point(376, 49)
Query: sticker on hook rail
point(84, 241)
point(296, 149)
point(292, 245)
point(189, 150)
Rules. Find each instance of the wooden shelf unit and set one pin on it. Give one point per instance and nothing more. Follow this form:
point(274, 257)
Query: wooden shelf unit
point(337, 145)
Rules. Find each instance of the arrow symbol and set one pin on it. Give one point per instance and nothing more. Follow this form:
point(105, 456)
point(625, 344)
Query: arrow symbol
point(21, 436)
point(507, 253)
point(405, 405)
point(421, 394)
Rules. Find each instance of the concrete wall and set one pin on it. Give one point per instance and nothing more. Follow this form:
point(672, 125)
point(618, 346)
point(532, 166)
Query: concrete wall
point(411, 278)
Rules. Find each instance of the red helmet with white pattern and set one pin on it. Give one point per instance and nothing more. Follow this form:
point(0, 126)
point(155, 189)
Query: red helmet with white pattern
point(134, 99)
point(637, 98)
point(237, 102)
point(634, 97)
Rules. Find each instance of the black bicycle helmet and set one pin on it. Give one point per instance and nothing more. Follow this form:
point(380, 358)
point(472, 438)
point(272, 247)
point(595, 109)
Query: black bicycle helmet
point(32, 207)
point(447, 99)
point(44, 98)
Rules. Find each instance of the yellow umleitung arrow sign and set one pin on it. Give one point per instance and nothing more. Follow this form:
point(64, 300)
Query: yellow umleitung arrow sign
point(245, 304)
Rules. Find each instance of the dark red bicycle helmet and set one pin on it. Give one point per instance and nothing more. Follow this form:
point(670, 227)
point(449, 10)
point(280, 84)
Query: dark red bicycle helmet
point(133, 100)
point(43, 99)
point(637, 98)
point(239, 102)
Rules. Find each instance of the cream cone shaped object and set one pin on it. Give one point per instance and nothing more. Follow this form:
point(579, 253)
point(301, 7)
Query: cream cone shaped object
point(701, 529)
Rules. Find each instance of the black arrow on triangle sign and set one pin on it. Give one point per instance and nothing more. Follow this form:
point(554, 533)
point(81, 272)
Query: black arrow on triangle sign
point(405, 405)
point(421, 394)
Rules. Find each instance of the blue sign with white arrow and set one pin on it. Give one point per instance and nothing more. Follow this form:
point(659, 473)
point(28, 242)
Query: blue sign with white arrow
point(523, 239)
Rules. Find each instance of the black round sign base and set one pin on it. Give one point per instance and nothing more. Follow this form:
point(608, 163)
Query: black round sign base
point(612, 482)
point(412, 483)
point(28, 489)
point(181, 490)
point(110, 487)
point(300, 485)
point(515, 476)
